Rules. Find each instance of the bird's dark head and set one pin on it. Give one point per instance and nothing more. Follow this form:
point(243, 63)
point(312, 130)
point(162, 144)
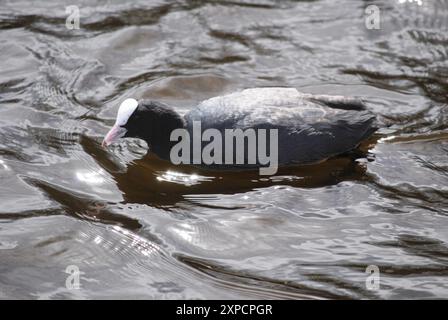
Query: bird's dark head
point(151, 121)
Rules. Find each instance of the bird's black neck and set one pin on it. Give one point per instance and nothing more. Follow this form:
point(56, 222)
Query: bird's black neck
point(157, 130)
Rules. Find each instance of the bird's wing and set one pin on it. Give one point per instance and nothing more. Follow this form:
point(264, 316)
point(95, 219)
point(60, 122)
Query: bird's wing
point(285, 107)
point(309, 130)
point(338, 102)
point(255, 97)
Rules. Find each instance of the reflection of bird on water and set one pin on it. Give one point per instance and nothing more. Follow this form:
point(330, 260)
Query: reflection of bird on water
point(152, 181)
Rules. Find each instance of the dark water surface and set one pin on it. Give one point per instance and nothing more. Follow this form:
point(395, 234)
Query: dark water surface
point(137, 228)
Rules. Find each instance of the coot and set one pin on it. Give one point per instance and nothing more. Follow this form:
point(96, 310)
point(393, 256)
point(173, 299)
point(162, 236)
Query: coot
point(299, 128)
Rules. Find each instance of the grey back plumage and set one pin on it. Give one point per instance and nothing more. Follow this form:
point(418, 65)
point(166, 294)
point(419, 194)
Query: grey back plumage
point(311, 128)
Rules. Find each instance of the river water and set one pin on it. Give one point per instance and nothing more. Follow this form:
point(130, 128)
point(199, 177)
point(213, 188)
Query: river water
point(136, 227)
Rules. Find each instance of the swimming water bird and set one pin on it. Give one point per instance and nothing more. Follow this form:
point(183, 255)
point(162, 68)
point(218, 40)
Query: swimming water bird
point(310, 128)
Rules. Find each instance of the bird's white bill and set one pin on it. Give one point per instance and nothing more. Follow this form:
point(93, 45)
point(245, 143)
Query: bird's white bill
point(113, 135)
